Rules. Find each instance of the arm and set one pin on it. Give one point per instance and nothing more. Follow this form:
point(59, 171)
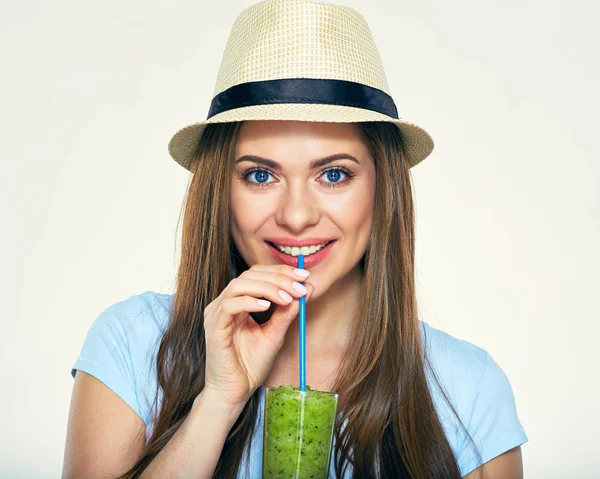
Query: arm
point(105, 437)
point(494, 425)
point(505, 466)
point(194, 450)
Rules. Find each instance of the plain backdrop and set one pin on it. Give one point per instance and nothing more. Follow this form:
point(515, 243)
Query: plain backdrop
point(507, 204)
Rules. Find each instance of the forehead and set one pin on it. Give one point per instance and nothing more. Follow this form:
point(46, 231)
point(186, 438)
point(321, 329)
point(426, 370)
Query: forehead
point(282, 138)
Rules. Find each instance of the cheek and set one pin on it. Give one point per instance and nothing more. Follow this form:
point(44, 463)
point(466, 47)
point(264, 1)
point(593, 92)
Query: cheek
point(363, 220)
point(358, 218)
point(355, 211)
point(248, 212)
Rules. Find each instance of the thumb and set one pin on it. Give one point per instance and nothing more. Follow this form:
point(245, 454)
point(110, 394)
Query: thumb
point(276, 327)
point(311, 290)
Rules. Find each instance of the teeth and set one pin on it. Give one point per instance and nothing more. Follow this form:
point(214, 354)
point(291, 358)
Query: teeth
point(304, 250)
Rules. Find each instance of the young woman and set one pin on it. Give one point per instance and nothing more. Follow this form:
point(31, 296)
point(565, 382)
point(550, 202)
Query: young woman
point(173, 385)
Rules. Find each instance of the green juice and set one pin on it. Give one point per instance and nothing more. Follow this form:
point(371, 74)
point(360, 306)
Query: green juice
point(298, 432)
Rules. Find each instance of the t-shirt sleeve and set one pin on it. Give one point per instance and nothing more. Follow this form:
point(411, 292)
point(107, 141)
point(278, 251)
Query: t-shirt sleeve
point(106, 354)
point(492, 420)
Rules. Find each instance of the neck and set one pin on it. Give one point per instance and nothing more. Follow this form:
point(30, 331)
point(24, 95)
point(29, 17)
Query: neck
point(329, 318)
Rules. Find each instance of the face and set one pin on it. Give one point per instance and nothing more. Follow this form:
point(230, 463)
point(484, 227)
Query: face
point(287, 197)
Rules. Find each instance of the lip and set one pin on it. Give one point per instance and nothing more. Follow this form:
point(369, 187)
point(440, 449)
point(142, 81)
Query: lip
point(309, 261)
point(298, 242)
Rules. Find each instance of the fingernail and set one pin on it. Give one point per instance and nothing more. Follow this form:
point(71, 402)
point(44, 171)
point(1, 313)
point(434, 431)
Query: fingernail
point(264, 303)
point(300, 288)
point(285, 295)
point(301, 272)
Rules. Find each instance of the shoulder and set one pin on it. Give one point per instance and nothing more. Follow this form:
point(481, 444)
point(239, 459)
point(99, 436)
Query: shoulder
point(134, 320)
point(142, 317)
point(121, 344)
point(458, 363)
point(481, 394)
point(149, 309)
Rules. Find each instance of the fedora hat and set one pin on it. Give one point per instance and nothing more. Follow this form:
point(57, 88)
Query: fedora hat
point(301, 60)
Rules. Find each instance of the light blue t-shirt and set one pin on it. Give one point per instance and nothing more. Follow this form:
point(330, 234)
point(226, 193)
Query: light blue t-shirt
point(121, 345)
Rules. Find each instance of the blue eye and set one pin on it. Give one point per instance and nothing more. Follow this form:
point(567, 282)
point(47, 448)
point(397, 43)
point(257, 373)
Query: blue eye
point(332, 175)
point(260, 175)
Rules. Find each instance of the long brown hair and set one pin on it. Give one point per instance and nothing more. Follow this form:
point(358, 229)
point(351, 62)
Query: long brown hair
point(392, 426)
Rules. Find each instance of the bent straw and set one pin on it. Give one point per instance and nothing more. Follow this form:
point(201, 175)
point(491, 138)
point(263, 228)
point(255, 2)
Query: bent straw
point(302, 332)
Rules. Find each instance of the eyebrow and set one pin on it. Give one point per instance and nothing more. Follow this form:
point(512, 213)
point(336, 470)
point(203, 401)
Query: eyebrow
point(313, 164)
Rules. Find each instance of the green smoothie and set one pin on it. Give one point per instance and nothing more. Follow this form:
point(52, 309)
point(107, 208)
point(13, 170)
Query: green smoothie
point(298, 432)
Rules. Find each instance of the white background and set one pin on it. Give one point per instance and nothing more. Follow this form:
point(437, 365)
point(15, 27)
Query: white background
point(507, 204)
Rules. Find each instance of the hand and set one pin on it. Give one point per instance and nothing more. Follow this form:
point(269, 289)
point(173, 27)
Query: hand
point(240, 352)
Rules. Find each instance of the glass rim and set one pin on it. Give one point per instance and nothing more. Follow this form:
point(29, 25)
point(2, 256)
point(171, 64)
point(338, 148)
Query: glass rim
point(296, 389)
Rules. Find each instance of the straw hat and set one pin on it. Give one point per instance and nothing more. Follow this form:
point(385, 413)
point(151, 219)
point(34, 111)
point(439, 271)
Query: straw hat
point(301, 60)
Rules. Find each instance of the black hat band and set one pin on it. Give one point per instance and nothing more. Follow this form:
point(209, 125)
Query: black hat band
point(304, 90)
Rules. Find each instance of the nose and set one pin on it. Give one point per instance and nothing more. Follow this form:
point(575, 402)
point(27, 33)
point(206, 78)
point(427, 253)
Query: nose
point(297, 208)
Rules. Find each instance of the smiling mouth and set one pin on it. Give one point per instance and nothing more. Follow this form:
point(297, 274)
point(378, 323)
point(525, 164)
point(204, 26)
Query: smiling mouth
point(304, 250)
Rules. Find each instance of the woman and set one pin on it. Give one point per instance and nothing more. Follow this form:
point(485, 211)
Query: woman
point(294, 152)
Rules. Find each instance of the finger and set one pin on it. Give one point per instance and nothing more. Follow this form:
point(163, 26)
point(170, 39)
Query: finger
point(243, 304)
point(261, 289)
point(283, 281)
point(290, 271)
point(231, 308)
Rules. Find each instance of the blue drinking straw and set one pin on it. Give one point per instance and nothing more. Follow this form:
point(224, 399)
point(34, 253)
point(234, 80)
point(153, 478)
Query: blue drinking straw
point(302, 332)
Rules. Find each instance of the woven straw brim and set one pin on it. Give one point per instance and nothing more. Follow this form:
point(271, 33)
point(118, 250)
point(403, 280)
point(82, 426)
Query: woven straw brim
point(417, 143)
